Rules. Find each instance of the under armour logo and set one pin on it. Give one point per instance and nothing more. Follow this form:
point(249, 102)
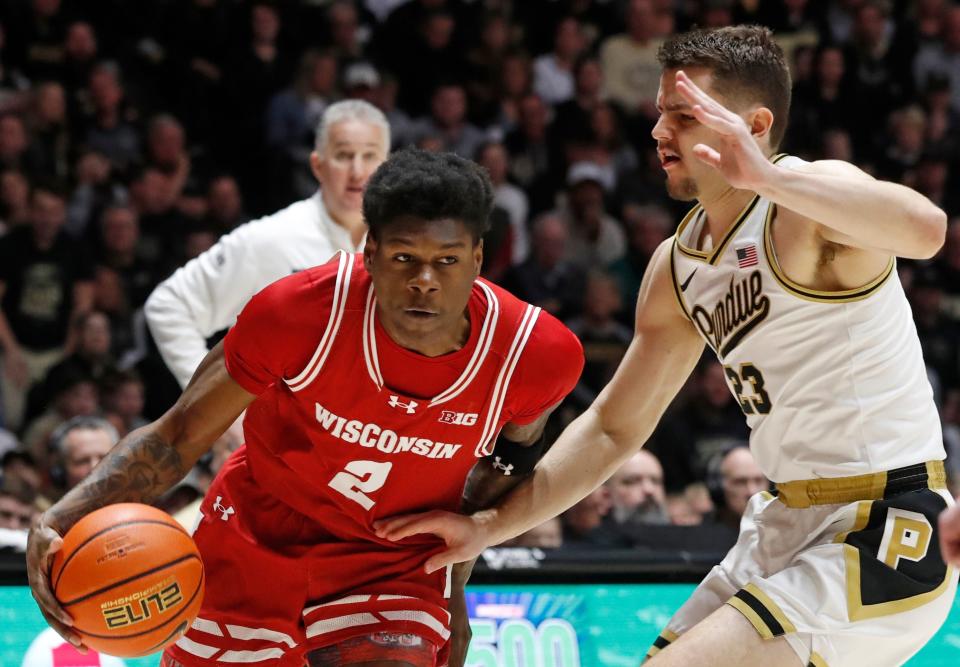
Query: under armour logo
point(226, 511)
point(507, 469)
point(395, 402)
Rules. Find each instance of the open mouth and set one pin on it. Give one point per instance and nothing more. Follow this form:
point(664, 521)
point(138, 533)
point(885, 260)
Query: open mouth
point(420, 313)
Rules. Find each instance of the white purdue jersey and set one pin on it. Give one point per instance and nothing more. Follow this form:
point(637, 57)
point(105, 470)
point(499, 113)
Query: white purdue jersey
point(832, 383)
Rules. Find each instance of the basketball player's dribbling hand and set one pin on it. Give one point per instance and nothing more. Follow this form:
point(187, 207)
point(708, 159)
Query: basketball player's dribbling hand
point(42, 543)
point(736, 155)
point(463, 535)
point(950, 535)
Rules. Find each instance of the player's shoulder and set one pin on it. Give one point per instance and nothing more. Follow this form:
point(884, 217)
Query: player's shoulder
point(550, 342)
point(308, 293)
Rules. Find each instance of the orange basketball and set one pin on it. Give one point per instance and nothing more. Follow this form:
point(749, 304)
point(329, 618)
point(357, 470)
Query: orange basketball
point(131, 578)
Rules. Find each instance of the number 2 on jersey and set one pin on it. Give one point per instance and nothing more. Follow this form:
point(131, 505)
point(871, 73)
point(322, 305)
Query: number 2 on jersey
point(360, 478)
point(757, 402)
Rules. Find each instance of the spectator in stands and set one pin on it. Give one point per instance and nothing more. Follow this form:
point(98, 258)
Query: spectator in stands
point(206, 295)
point(547, 279)
point(900, 158)
point(120, 252)
point(18, 462)
point(75, 396)
point(109, 119)
point(154, 197)
point(637, 492)
point(17, 504)
point(122, 397)
point(514, 83)
point(647, 227)
point(224, 204)
point(736, 479)
point(45, 281)
point(428, 57)
point(631, 72)
point(14, 200)
point(553, 71)
point(49, 152)
point(826, 101)
point(939, 335)
point(709, 423)
point(604, 339)
point(531, 152)
point(942, 57)
point(448, 122)
point(80, 49)
point(292, 115)
point(92, 359)
point(14, 142)
point(582, 522)
point(596, 238)
point(878, 58)
point(573, 119)
point(95, 190)
point(77, 447)
point(348, 38)
point(484, 64)
point(607, 130)
point(493, 157)
point(948, 267)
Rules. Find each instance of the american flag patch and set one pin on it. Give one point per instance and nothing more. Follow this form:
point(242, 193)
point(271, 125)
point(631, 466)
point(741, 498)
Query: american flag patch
point(747, 256)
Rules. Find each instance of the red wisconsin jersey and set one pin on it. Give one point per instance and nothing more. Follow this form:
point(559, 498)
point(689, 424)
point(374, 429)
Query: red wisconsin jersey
point(344, 447)
point(348, 428)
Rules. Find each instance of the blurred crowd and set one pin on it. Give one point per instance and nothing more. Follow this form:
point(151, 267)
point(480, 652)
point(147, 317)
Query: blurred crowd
point(134, 134)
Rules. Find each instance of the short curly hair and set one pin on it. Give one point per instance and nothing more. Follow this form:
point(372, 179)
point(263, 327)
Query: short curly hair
point(431, 186)
point(746, 63)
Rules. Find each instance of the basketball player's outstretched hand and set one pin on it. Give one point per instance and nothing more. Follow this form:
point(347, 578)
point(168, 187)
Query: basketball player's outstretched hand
point(42, 543)
point(950, 535)
point(464, 535)
point(736, 155)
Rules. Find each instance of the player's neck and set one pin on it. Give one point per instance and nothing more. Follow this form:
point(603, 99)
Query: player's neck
point(722, 209)
point(445, 340)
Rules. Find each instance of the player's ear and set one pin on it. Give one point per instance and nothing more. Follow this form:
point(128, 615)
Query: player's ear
point(477, 256)
point(369, 249)
point(760, 121)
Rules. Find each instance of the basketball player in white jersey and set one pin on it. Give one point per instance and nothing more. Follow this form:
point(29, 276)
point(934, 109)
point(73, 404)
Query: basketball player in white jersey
point(786, 270)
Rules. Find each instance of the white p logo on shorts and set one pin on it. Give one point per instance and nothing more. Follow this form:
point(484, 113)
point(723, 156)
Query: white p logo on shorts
point(905, 535)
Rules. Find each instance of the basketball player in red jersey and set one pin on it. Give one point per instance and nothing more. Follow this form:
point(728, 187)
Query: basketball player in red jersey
point(377, 384)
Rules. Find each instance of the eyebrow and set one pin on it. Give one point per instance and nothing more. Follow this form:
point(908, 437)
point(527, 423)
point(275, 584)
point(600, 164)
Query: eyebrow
point(674, 106)
point(405, 240)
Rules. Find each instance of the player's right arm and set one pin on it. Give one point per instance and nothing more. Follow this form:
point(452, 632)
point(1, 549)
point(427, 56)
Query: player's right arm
point(140, 468)
point(203, 297)
point(664, 351)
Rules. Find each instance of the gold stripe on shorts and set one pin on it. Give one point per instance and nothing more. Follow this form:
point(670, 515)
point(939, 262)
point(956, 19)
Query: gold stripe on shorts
point(816, 660)
point(805, 493)
point(762, 612)
point(663, 641)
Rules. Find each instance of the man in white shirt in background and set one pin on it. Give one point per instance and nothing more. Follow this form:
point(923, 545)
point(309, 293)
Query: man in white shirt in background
point(206, 294)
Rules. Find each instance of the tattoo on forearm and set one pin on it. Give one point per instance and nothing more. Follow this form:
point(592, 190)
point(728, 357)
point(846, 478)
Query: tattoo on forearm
point(139, 469)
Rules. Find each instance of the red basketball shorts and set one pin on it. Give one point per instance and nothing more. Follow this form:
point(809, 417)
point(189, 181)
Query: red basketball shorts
point(279, 585)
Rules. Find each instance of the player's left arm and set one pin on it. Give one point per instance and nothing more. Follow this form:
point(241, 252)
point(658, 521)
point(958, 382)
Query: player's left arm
point(849, 206)
point(854, 209)
point(489, 480)
point(548, 370)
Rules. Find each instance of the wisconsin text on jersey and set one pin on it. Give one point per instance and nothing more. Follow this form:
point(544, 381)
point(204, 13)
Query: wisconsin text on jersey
point(387, 441)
